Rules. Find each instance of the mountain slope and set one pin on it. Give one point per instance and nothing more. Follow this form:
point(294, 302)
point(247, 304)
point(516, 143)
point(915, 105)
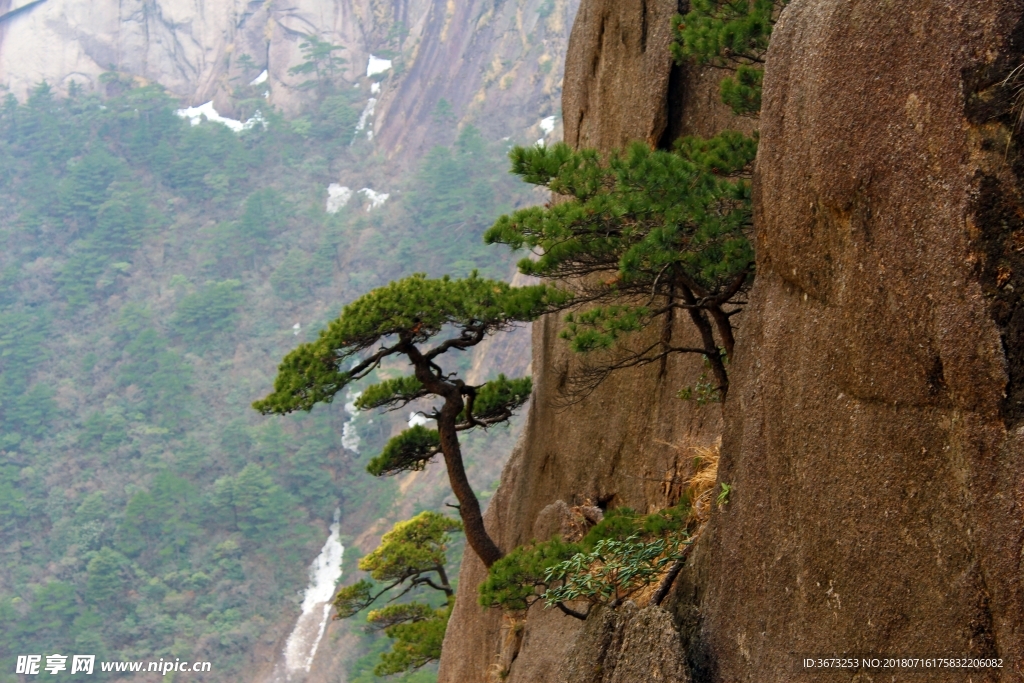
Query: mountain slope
point(154, 274)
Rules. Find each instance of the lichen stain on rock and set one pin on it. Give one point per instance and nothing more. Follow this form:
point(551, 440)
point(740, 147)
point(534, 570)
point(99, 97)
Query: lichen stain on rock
point(995, 224)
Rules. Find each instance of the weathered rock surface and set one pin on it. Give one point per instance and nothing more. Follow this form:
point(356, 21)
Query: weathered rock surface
point(625, 646)
point(876, 466)
point(496, 62)
point(615, 447)
point(873, 442)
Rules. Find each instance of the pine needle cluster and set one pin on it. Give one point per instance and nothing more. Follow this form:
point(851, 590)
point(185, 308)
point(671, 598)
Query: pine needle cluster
point(730, 34)
point(647, 235)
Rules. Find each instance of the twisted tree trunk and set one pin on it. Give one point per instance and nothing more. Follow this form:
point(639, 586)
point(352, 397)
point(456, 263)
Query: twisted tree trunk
point(469, 507)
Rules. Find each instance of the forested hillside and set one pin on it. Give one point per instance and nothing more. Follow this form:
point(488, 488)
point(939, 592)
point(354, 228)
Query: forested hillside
point(153, 273)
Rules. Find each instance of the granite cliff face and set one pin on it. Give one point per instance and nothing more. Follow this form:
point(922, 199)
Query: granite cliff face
point(873, 439)
point(629, 442)
point(483, 56)
point(872, 435)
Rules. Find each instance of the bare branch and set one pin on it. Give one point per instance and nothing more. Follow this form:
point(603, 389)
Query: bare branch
point(666, 583)
point(571, 612)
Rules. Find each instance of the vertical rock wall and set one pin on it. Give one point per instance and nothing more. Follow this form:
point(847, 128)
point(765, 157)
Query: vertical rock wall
point(615, 447)
point(873, 438)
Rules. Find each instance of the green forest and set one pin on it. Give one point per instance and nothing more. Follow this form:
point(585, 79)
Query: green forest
point(153, 274)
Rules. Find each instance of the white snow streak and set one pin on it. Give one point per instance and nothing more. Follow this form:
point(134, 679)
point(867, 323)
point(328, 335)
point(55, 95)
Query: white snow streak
point(195, 116)
point(364, 119)
point(338, 197)
point(349, 437)
point(375, 198)
point(262, 78)
point(376, 65)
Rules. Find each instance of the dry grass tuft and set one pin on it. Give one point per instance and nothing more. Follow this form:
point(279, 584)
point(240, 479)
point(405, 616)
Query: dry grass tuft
point(701, 486)
point(512, 641)
point(581, 519)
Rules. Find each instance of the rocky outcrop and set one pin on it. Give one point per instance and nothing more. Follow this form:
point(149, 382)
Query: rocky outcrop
point(873, 439)
point(193, 48)
point(625, 646)
point(497, 63)
point(482, 56)
point(628, 443)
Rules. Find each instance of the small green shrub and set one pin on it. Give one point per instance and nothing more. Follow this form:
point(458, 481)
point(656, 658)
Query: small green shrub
point(618, 556)
point(611, 572)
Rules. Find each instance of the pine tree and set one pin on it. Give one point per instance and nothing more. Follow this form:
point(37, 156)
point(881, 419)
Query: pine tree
point(321, 62)
point(733, 35)
point(399, 320)
point(410, 556)
point(647, 235)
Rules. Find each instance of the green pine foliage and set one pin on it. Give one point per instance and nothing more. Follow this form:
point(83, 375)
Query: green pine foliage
point(410, 557)
point(417, 641)
point(106, 577)
point(723, 32)
point(412, 548)
point(730, 34)
point(211, 309)
point(320, 62)
point(160, 375)
point(649, 234)
point(514, 581)
point(416, 307)
point(389, 393)
point(252, 502)
point(26, 407)
point(742, 92)
point(499, 398)
point(632, 213)
point(410, 451)
point(400, 320)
